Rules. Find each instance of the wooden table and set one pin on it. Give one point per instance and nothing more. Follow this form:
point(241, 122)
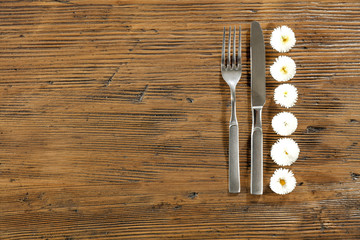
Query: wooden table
point(114, 121)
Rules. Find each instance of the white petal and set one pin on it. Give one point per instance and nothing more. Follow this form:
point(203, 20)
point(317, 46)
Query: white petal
point(286, 95)
point(284, 123)
point(282, 39)
point(285, 152)
point(282, 181)
point(283, 69)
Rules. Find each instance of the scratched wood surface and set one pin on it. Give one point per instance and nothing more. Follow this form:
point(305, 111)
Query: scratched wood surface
point(114, 121)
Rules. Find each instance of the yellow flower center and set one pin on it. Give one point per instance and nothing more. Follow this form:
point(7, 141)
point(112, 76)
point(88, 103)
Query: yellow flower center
point(284, 70)
point(282, 182)
point(286, 153)
point(284, 39)
point(285, 94)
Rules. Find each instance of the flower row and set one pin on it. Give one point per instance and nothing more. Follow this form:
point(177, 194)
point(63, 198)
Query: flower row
point(285, 151)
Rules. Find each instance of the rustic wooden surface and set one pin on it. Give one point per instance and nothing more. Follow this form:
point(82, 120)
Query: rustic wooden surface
point(114, 121)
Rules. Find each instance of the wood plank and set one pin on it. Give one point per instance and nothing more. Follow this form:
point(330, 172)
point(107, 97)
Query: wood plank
point(114, 121)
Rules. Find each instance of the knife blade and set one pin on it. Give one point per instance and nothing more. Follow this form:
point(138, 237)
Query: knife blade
point(258, 95)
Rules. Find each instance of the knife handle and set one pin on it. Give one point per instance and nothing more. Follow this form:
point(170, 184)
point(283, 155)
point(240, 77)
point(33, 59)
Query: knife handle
point(234, 168)
point(256, 186)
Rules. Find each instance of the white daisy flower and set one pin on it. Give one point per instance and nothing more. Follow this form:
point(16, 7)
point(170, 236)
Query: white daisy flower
point(282, 181)
point(282, 39)
point(286, 95)
point(283, 69)
point(285, 152)
point(284, 123)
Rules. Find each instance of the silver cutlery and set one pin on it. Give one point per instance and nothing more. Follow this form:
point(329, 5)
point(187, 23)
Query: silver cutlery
point(231, 73)
point(258, 94)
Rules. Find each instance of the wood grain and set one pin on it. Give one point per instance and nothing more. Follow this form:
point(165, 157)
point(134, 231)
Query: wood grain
point(114, 121)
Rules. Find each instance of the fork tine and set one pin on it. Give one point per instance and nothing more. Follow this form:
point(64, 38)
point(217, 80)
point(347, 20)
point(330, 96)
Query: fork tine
point(229, 47)
point(239, 49)
point(234, 49)
point(223, 51)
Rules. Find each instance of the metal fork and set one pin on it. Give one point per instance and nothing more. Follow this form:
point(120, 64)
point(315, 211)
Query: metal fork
point(231, 73)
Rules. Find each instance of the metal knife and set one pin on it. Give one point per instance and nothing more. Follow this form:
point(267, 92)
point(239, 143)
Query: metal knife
point(258, 94)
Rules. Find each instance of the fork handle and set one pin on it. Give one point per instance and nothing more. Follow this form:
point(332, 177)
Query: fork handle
point(234, 168)
point(256, 186)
